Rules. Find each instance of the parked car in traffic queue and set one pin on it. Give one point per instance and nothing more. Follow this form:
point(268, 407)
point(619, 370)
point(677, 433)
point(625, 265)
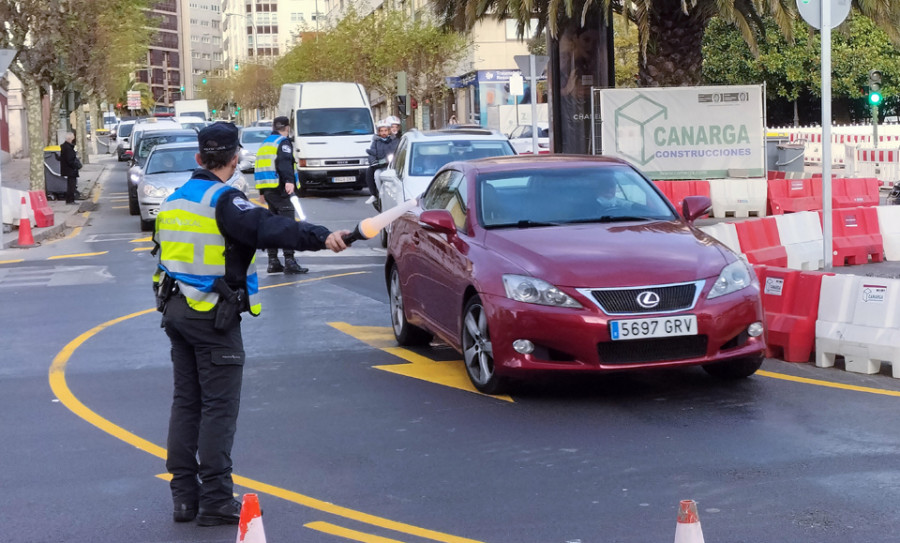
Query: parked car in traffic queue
point(421, 154)
point(251, 138)
point(523, 142)
point(142, 152)
point(168, 167)
point(559, 263)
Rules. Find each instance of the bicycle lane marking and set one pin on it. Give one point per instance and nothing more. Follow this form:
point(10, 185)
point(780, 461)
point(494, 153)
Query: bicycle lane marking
point(57, 378)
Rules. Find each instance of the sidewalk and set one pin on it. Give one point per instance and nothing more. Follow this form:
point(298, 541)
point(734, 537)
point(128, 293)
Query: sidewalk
point(15, 176)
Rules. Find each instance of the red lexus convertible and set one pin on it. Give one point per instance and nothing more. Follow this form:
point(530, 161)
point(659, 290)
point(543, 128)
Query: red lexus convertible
point(568, 263)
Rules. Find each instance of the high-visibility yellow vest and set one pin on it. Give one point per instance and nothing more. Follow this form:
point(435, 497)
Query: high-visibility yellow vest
point(192, 249)
point(265, 174)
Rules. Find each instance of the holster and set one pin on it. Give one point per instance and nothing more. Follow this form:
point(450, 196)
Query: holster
point(231, 303)
point(165, 289)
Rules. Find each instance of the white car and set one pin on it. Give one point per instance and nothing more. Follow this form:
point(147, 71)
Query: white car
point(251, 140)
point(168, 167)
point(421, 154)
point(522, 142)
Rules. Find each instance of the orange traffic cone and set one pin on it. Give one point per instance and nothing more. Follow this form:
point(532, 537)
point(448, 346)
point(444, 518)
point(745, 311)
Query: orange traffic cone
point(688, 528)
point(25, 237)
point(250, 529)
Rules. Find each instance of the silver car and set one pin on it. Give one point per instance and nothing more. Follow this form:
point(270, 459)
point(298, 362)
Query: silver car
point(168, 167)
point(251, 139)
point(421, 154)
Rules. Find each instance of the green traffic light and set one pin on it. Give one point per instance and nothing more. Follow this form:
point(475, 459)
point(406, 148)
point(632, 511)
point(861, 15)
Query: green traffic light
point(204, 81)
point(875, 98)
point(214, 112)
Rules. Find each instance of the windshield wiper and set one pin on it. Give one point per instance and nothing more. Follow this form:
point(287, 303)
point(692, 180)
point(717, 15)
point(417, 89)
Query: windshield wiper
point(526, 223)
point(618, 218)
point(315, 134)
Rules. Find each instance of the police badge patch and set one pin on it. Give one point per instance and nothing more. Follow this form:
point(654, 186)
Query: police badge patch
point(286, 148)
point(242, 204)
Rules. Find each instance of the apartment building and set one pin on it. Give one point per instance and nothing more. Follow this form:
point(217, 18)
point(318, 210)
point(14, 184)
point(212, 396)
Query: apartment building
point(204, 39)
point(164, 70)
point(263, 30)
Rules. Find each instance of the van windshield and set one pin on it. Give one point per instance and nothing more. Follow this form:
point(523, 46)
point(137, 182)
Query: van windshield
point(334, 122)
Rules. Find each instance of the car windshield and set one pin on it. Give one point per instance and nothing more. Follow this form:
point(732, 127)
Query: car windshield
point(429, 157)
point(553, 196)
point(254, 136)
point(149, 141)
point(125, 130)
point(334, 122)
point(172, 160)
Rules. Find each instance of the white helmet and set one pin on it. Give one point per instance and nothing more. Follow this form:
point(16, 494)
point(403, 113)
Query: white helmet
point(383, 123)
point(393, 120)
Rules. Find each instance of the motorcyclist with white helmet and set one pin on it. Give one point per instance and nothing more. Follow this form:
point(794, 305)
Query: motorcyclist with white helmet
point(382, 147)
point(395, 126)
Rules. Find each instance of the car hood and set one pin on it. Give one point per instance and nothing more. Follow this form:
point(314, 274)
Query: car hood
point(171, 179)
point(615, 254)
point(252, 148)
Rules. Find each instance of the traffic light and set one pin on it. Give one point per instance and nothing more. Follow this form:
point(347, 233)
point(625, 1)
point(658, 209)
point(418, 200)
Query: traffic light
point(182, 88)
point(875, 87)
point(204, 81)
point(403, 104)
point(238, 108)
point(214, 112)
point(237, 66)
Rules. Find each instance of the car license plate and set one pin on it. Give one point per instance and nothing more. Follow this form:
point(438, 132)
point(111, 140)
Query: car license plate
point(681, 325)
point(350, 179)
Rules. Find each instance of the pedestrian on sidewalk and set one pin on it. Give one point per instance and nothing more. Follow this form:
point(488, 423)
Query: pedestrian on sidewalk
point(69, 166)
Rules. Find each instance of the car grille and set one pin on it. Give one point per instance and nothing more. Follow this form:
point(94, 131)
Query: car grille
point(625, 301)
point(652, 350)
point(343, 162)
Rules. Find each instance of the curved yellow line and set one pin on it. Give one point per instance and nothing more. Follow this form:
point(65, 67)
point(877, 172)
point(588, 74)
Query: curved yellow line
point(60, 388)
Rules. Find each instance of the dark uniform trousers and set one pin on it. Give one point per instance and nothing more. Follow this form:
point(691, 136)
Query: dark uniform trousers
point(279, 204)
point(208, 369)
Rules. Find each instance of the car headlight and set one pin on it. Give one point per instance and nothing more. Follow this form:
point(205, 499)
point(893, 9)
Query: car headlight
point(734, 277)
point(315, 163)
point(536, 291)
point(135, 177)
point(152, 191)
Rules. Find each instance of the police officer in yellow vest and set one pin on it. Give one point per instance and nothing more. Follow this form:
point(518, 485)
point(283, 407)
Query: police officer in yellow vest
point(276, 179)
point(207, 234)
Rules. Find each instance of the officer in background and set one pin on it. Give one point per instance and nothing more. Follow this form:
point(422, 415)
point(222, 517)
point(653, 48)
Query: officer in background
point(207, 234)
point(276, 179)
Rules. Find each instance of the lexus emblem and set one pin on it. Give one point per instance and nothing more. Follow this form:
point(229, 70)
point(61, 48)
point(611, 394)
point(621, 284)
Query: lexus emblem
point(648, 299)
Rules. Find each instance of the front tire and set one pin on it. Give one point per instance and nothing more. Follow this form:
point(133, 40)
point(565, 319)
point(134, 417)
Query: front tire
point(478, 351)
point(147, 225)
point(406, 333)
point(740, 368)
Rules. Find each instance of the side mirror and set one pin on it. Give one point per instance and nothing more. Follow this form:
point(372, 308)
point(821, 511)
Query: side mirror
point(693, 207)
point(439, 220)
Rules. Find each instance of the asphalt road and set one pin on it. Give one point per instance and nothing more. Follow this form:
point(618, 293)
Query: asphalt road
point(347, 438)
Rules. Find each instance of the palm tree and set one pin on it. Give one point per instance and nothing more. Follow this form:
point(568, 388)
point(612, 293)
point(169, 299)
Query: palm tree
point(670, 31)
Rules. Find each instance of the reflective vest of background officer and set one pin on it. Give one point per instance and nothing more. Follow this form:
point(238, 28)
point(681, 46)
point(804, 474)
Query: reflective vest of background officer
point(276, 179)
point(207, 234)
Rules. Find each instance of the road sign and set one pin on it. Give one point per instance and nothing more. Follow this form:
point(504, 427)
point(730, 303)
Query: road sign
point(516, 85)
point(134, 99)
point(540, 62)
point(811, 11)
point(6, 58)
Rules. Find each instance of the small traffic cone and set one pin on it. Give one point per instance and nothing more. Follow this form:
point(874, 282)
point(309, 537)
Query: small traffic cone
point(250, 528)
point(25, 238)
point(687, 530)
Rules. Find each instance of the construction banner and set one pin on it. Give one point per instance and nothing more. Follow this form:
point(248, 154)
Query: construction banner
point(687, 132)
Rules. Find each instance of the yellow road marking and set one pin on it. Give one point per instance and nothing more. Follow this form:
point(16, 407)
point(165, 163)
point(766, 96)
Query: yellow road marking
point(139, 249)
point(12, 261)
point(57, 378)
point(829, 384)
point(347, 533)
point(58, 257)
point(451, 374)
point(118, 207)
point(142, 240)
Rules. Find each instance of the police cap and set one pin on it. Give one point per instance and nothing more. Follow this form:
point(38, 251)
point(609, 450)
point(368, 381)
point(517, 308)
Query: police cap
point(279, 123)
point(219, 136)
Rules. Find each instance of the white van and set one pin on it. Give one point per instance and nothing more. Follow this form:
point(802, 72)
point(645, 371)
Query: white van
point(333, 126)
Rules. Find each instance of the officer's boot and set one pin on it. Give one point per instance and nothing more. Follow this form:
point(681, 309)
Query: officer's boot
point(291, 265)
point(274, 264)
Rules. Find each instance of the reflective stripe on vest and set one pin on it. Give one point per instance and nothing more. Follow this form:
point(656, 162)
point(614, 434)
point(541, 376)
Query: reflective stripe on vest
point(264, 170)
point(192, 250)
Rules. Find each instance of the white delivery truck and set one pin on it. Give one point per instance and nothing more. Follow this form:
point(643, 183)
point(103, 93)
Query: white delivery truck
point(332, 126)
point(192, 108)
